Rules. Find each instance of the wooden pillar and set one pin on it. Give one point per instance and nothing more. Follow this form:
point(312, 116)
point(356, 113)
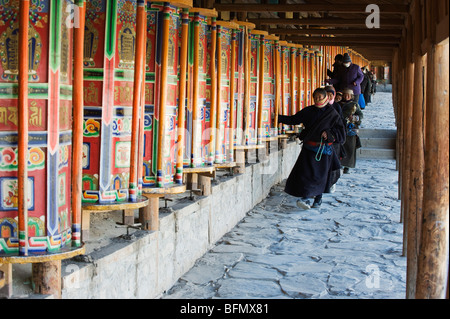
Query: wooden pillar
point(277, 85)
point(230, 155)
point(283, 88)
point(77, 143)
point(149, 215)
point(163, 97)
point(46, 278)
point(260, 106)
point(292, 52)
point(214, 99)
point(407, 129)
point(433, 257)
point(414, 214)
point(196, 122)
point(216, 124)
point(204, 184)
point(247, 52)
point(182, 96)
point(139, 77)
point(22, 167)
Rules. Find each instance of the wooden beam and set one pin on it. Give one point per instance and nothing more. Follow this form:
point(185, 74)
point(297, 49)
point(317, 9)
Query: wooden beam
point(308, 41)
point(309, 8)
point(327, 22)
point(344, 40)
point(339, 32)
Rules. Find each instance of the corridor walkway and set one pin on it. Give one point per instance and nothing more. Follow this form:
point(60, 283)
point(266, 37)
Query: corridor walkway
point(350, 248)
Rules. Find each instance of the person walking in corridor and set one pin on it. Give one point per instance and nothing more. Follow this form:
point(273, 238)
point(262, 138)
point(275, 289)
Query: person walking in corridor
point(311, 175)
point(348, 76)
point(352, 116)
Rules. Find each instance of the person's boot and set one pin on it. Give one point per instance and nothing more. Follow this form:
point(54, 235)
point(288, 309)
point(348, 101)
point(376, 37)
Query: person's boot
point(346, 170)
point(317, 202)
point(304, 203)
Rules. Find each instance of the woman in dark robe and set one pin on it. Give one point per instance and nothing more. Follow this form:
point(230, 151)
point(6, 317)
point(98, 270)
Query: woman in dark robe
point(338, 147)
point(353, 116)
point(311, 175)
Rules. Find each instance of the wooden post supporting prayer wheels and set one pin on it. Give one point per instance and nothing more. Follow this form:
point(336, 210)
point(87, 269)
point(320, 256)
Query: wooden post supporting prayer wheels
point(432, 276)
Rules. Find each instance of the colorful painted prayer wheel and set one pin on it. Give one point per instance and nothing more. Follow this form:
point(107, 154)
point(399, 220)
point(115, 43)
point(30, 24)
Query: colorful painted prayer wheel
point(37, 158)
point(267, 89)
point(293, 78)
point(241, 92)
point(201, 102)
point(300, 79)
point(110, 119)
point(162, 130)
point(225, 70)
point(285, 81)
point(307, 76)
point(254, 78)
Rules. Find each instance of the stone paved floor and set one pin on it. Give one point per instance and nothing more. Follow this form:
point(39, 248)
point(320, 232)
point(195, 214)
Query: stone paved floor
point(349, 248)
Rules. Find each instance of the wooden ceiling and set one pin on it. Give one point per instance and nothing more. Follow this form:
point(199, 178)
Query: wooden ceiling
point(323, 22)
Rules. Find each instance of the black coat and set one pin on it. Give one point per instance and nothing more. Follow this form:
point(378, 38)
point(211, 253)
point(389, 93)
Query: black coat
point(311, 175)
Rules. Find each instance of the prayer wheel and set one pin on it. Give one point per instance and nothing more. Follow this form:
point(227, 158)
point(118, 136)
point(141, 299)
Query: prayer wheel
point(241, 93)
point(201, 102)
point(111, 121)
point(254, 78)
point(226, 42)
point(268, 91)
point(307, 76)
point(38, 160)
point(285, 82)
point(293, 78)
point(300, 79)
point(163, 126)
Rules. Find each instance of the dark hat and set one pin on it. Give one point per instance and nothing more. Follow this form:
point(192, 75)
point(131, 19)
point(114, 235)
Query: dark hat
point(330, 89)
point(347, 58)
point(338, 57)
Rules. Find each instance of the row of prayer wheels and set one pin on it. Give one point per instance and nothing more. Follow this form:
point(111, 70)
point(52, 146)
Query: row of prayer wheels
point(108, 105)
